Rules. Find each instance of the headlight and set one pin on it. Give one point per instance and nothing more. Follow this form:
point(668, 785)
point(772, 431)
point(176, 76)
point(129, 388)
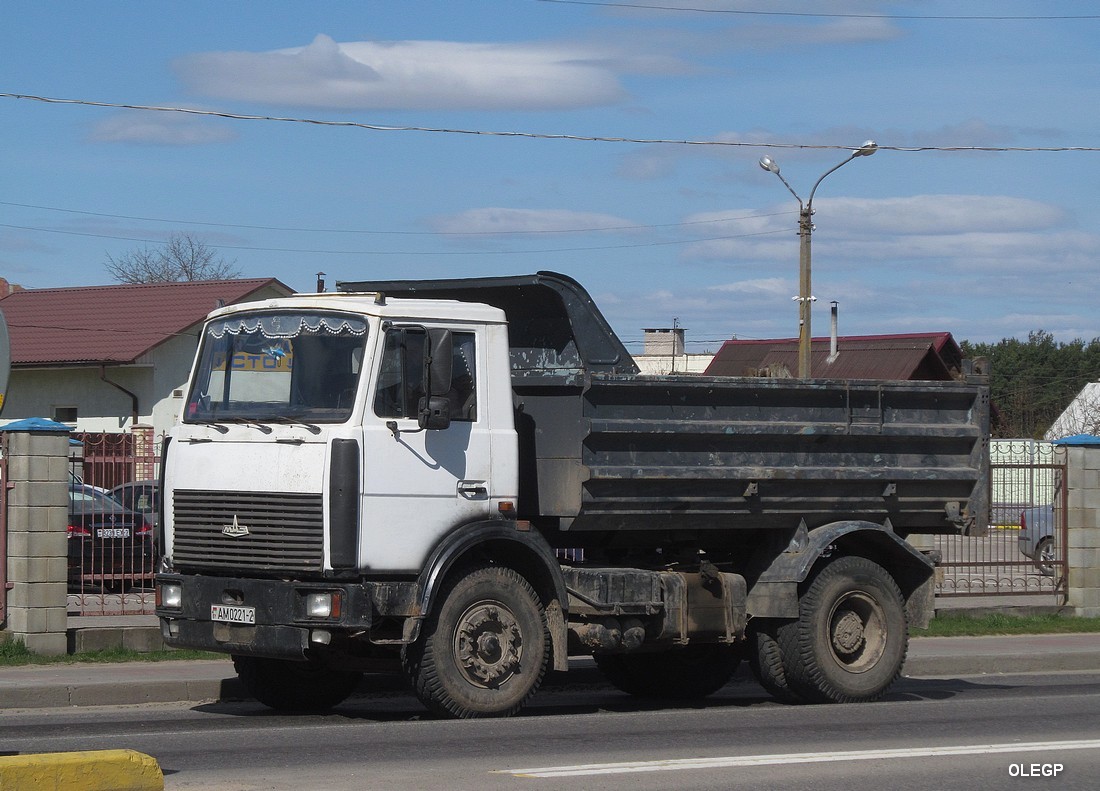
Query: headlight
point(171, 595)
point(323, 604)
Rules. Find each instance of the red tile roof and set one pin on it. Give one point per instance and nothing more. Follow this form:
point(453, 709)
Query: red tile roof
point(926, 356)
point(113, 324)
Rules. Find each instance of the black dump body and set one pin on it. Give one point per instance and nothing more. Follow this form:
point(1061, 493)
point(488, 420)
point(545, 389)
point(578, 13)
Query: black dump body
point(613, 458)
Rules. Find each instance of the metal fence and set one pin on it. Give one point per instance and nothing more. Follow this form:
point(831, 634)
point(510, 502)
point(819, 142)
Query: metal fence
point(4, 584)
point(1026, 477)
point(111, 556)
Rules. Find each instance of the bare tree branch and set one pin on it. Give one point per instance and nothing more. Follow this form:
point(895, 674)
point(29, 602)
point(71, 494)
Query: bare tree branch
point(182, 258)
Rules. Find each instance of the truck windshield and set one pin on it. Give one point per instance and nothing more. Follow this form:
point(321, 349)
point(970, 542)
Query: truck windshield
point(273, 367)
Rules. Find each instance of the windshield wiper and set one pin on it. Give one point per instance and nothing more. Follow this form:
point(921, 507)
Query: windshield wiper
point(216, 425)
point(250, 422)
point(291, 420)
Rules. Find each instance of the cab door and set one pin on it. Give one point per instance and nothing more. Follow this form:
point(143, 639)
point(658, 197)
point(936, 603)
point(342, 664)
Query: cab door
point(421, 484)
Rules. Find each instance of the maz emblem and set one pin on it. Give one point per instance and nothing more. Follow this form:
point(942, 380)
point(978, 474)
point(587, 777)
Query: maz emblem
point(235, 530)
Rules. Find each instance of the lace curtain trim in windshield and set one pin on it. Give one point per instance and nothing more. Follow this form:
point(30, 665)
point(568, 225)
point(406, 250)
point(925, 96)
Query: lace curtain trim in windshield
point(282, 325)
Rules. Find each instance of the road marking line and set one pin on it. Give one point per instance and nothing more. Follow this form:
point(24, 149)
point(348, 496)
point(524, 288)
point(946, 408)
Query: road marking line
point(798, 758)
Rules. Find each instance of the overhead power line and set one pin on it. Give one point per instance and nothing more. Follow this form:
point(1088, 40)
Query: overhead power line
point(404, 252)
point(500, 232)
point(825, 14)
point(529, 135)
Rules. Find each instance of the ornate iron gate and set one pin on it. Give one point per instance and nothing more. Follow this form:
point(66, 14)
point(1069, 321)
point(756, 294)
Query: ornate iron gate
point(1027, 478)
point(3, 528)
point(112, 555)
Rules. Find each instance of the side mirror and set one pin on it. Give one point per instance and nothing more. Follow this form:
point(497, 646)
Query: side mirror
point(434, 413)
point(434, 410)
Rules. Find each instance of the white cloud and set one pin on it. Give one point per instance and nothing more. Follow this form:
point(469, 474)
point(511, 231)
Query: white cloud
point(766, 287)
point(942, 214)
point(505, 221)
point(419, 75)
point(170, 129)
point(832, 31)
point(954, 233)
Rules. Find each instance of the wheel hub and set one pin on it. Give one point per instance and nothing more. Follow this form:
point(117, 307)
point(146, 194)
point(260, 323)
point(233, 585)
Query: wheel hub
point(488, 644)
point(848, 634)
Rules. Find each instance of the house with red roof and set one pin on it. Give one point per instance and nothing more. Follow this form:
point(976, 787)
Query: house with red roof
point(107, 358)
point(928, 356)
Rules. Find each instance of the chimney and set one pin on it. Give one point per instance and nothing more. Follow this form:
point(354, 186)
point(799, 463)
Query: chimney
point(834, 351)
point(320, 282)
point(668, 342)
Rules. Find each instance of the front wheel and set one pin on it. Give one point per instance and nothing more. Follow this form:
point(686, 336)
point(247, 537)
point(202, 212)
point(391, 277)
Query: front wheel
point(851, 636)
point(484, 650)
point(294, 686)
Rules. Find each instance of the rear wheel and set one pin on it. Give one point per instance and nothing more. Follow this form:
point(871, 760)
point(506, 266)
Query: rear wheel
point(851, 637)
point(1044, 557)
point(294, 686)
point(766, 662)
point(484, 650)
point(688, 673)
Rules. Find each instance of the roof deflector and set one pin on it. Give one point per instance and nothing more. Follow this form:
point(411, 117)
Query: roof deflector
point(544, 310)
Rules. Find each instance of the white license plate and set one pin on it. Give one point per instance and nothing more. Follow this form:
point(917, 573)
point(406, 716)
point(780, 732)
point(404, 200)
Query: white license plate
point(112, 532)
point(228, 614)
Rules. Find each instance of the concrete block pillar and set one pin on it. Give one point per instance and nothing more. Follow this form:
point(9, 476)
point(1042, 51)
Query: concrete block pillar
point(1083, 521)
point(37, 521)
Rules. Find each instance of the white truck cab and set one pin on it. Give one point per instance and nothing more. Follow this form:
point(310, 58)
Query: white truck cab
point(283, 391)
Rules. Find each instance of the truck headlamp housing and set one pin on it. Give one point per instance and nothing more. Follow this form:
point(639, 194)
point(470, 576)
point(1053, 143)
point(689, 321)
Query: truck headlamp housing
point(323, 604)
point(170, 595)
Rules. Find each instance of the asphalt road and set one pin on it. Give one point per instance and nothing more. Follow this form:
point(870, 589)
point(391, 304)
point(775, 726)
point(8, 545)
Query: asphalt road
point(977, 732)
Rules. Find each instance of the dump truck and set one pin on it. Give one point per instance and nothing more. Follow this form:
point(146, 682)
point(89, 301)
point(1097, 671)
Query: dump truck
point(468, 482)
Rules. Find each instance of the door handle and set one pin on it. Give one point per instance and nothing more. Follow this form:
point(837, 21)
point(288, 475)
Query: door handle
point(473, 490)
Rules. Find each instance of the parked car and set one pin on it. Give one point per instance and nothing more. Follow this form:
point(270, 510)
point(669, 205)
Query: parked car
point(141, 497)
point(1037, 537)
point(110, 547)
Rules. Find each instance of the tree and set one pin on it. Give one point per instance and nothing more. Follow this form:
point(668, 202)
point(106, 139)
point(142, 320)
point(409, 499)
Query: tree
point(182, 258)
point(1033, 381)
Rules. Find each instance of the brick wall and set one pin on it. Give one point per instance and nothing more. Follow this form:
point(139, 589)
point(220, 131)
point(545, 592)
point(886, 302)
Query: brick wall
point(1083, 520)
point(38, 505)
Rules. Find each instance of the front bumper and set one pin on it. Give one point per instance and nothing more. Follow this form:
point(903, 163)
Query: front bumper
point(283, 629)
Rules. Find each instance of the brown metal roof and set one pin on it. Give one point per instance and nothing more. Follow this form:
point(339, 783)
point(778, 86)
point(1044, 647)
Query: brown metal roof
point(925, 356)
point(113, 324)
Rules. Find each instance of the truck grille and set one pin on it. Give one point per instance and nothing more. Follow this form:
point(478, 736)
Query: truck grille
point(261, 531)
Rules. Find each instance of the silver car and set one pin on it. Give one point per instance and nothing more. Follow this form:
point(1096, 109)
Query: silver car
point(1037, 537)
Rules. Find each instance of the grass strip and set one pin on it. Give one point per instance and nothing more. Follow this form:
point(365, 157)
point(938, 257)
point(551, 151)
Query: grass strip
point(962, 625)
point(14, 653)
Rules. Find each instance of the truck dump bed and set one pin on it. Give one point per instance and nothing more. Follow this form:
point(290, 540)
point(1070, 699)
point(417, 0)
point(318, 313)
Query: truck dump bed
point(607, 453)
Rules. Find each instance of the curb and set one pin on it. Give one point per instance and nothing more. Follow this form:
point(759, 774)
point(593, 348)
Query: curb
point(131, 693)
point(98, 770)
point(940, 666)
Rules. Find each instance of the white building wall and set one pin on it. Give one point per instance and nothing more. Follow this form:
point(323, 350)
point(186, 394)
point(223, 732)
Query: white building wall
point(158, 379)
point(662, 364)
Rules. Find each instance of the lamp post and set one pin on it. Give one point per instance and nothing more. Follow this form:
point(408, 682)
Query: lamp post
point(805, 228)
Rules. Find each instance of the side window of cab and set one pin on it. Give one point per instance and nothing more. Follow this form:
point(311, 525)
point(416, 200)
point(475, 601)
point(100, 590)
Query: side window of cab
point(401, 376)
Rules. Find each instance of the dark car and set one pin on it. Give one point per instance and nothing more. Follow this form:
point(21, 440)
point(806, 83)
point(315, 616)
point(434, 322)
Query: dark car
point(110, 546)
point(142, 497)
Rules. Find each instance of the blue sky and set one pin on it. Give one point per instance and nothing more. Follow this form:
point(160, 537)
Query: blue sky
point(981, 244)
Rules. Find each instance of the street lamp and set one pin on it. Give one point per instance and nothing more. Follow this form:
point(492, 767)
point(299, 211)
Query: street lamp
point(805, 229)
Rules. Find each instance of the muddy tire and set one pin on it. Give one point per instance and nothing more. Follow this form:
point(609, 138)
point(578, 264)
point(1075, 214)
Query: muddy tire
point(850, 640)
point(484, 650)
point(688, 673)
point(294, 686)
point(766, 663)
